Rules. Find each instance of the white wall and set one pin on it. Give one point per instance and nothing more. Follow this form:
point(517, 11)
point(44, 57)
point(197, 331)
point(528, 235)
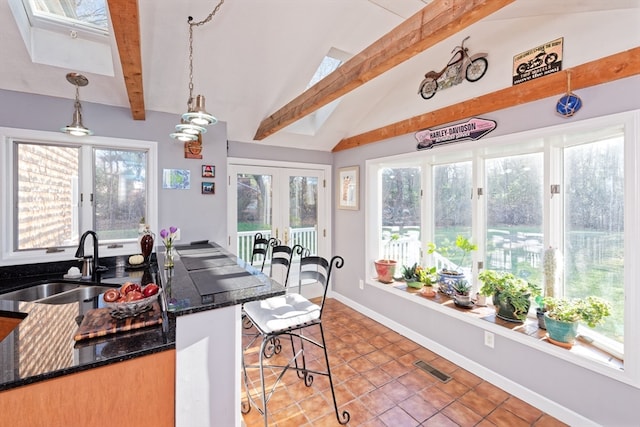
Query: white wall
point(578, 389)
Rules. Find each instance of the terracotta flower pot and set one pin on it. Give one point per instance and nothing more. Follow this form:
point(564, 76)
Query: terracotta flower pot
point(386, 269)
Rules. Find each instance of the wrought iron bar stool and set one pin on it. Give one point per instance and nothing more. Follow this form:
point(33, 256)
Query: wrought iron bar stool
point(290, 315)
point(261, 246)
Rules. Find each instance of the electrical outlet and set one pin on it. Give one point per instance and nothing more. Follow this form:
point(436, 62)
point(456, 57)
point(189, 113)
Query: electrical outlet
point(489, 339)
point(177, 235)
point(361, 284)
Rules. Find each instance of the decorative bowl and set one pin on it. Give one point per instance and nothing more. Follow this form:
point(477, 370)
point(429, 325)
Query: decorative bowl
point(122, 310)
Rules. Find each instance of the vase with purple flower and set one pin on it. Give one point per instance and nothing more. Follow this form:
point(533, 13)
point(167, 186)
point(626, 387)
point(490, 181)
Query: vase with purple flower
point(168, 238)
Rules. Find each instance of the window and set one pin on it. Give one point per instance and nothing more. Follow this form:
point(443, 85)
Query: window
point(564, 187)
point(401, 196)
point(594, 225)
point(452, 186)
point(61, 188)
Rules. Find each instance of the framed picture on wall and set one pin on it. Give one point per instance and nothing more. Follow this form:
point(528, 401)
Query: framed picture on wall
point(208, 188)
point(348, 188)
point(208, 171)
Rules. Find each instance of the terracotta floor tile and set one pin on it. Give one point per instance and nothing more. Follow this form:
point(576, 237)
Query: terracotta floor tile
point(315, 406)
point(491, 392)
point(502, 417)
point(375, 379)
point(377, 402)
point(396, 391)
point(418, 408)
point(439, 420)
point(395, 368)
point(548, 421)
point(359, 385)
point(466, 377)
point(477, 403)
point(522, 409)
point(453, 388)
point(396, 417)
point(379, 357)
point(436, 397)
point(361, 364)
point(461, 415)
point(358, 412)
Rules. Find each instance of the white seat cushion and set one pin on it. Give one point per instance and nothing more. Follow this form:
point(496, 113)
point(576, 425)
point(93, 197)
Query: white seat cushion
point(282, 312)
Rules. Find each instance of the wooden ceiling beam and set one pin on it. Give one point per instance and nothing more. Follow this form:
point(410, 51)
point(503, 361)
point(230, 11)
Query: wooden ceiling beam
point(434, 23)
point(603, 70)
point(126, 27)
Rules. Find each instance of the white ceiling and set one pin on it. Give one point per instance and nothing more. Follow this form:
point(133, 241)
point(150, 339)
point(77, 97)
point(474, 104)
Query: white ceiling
point(257, 55)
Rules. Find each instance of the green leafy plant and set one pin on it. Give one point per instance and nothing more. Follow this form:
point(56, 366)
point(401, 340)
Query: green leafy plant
point(411, 273)
point(508, 289)
point(428, 275)
point(590, 310)
point(462, 287)
point(461, 249)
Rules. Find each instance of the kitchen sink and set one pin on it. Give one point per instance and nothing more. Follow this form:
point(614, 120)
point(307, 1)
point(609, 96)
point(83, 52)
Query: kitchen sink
point(37, 292)
point(82, 293)
point(56, 293)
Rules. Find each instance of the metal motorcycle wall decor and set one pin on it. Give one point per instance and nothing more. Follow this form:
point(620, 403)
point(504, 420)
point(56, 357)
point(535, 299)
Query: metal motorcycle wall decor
point(460, 66)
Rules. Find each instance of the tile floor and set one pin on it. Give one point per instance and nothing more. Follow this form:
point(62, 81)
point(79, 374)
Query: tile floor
point(375, 379)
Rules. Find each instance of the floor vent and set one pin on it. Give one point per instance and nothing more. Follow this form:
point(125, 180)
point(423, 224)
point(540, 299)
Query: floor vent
point(433, 371)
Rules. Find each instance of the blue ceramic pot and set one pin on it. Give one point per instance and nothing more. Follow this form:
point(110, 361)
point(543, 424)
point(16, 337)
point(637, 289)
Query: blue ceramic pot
point(565, 332)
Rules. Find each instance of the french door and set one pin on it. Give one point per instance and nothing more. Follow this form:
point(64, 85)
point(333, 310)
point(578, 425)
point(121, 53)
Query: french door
point(288, 203)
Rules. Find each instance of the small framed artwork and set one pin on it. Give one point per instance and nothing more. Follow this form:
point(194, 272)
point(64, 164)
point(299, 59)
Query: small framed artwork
point(208, 171)
point(179, 179)
point(348, 187)
point(208, 188)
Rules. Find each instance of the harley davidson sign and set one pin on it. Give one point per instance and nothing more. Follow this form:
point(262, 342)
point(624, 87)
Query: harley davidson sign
point(472, 129)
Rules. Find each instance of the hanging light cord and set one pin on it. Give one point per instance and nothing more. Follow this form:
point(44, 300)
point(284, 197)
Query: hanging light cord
point(191, 25)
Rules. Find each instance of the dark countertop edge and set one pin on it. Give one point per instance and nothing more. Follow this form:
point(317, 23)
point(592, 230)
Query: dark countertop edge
point(85, 367)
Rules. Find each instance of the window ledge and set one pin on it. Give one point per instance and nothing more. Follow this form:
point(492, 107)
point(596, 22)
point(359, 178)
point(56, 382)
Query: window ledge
point(527, 333)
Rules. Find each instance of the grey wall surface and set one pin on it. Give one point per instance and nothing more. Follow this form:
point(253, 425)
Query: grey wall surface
point(261, 151)
point(578, 389)
point(198, 216)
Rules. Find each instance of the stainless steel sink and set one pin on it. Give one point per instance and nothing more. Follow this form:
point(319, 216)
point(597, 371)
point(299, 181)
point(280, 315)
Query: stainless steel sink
point(82, 293)
point(56, 293)
point(38, 292)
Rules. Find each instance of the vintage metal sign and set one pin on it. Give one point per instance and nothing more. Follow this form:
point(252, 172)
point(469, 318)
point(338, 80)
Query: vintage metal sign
point(471, 129)
point(538, 62)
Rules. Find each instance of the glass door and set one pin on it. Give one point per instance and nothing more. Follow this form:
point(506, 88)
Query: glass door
point(286, 203)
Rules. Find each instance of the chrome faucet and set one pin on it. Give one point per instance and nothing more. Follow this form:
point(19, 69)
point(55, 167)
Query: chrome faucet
point(80, 254)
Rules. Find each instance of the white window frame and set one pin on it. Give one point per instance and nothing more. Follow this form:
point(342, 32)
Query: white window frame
point(9, 256)
point(512, 144)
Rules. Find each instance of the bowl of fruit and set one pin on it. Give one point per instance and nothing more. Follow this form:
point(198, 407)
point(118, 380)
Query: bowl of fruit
point(131, 299)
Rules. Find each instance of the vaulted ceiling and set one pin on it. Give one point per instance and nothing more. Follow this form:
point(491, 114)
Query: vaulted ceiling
point(255, 58)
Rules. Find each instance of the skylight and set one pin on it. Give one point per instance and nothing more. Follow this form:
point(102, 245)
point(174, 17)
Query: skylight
point(70, 34)
point(90, 13)
point(311, 123)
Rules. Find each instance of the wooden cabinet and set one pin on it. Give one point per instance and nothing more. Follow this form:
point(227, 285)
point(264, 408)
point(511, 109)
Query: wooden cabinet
point(135, 392)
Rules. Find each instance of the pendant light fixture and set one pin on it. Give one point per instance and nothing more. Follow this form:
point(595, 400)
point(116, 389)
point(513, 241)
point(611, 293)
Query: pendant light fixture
point(193, 122)
point(76, 127)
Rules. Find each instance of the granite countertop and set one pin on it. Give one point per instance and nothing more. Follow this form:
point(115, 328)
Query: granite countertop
point(42, 346)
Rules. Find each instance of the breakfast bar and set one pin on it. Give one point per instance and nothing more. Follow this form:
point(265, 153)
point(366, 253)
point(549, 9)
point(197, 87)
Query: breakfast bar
point(186, 359)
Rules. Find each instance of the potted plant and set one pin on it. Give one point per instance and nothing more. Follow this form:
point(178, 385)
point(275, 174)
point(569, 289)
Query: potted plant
point(448, 277)
point(428, 277)
point(386, 267)
point(461, 296)
point(563, 316)
point(511, 294)
point(411, 275)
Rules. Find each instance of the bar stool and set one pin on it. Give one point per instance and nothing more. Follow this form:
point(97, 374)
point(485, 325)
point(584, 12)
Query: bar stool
point(261, 246)
point(289, 315)
point(282, 259)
